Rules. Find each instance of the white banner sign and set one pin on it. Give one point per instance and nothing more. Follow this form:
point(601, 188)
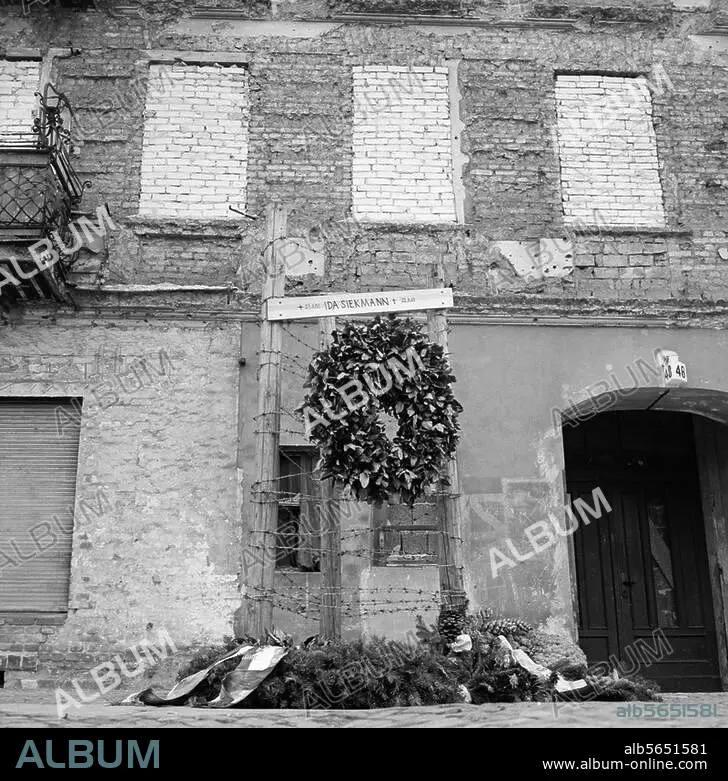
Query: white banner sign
point(336, 304)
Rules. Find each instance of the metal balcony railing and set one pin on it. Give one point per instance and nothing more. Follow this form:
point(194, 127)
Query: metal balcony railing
point(38, 191)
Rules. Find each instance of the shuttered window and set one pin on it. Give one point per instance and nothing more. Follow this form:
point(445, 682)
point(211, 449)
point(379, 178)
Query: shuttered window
point(38, 462)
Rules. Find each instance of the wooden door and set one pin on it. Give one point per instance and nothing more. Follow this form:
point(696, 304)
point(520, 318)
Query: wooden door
point(644, 599)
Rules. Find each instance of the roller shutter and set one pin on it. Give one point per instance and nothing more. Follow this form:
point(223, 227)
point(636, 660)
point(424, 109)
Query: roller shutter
point(38, 463)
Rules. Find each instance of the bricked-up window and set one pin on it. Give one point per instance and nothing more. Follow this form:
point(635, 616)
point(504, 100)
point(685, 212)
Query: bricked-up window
point(19, 81)
point(608, 151)
point(194, 161)
point(402, 169)
point(406, 535)
point(298, 543)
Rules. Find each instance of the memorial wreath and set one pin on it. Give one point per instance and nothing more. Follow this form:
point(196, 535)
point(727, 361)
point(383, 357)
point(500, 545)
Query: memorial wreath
point(373, 378)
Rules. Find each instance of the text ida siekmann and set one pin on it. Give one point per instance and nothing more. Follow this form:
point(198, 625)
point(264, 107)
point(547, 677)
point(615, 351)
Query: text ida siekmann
point(88, 753)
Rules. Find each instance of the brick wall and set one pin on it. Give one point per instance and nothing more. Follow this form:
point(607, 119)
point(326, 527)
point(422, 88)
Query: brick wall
point(512, 179)
point(19, 79)
point(169, 552)
point(608, 151)
point(196, 143)
point(300, 135)
point(402, 166)
point(301, 152)
point(24, 638)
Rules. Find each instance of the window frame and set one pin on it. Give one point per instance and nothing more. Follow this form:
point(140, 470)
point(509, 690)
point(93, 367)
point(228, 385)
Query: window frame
point(306, 556)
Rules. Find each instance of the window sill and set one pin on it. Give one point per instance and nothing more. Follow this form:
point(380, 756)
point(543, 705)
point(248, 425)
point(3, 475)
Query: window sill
point(299, 574)
point(146, 225)
point(565, 23)
point(409, 227)
point(406, 565)
point(628, 230)
point(32, 618)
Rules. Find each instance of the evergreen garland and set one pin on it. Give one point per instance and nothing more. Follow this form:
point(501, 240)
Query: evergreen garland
point(379, 673)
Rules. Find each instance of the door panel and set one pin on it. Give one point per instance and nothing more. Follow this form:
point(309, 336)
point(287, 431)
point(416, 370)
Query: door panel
point(643, 592)
point(597, 608)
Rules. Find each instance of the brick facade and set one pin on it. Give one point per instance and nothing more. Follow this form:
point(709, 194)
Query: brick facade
point(608, 152)
point(176, 457)
point(19, 80)
point(402, 164)
point(195, 142)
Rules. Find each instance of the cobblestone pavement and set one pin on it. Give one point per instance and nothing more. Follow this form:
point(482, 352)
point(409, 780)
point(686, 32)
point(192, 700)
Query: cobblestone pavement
point(18, 709)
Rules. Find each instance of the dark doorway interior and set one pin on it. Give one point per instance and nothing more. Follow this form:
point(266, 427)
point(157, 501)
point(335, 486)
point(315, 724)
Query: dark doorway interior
point(644, 597)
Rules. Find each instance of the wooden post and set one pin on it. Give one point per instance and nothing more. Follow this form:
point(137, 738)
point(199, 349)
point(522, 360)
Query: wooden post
point(451, 569)
point(261, 572)
point(330, 621)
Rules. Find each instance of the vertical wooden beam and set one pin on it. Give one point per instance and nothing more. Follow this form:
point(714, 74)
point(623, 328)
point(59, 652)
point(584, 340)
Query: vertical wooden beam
point(711, 447)
point(451, 563)
point(330, 622)
point(261, 572)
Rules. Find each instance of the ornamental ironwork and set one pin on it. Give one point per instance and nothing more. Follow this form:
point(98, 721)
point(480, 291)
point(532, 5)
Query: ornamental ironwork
point(38, 187)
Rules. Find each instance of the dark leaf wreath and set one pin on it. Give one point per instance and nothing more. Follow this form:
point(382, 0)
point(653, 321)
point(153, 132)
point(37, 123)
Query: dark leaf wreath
point(386, 367)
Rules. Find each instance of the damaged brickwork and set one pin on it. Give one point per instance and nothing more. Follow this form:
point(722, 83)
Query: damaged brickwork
point(509, 253)
point(301, 146)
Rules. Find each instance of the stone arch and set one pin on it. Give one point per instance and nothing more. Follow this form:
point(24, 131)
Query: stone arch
point(709, 410)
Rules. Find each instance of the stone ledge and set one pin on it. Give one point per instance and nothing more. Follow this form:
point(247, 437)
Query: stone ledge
point(196, 308)
point(8, 618)
point(630, 231)
point(194, 57)
point(408, 227)
point(20, 53)
point(190, 228)
point(566, 23)
point(534, 310)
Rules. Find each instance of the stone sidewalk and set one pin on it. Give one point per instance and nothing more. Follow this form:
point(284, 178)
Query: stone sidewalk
point(20, 710)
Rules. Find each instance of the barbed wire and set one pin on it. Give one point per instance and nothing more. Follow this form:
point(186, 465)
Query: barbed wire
point(295, 338)
point(446, 494)
point(354, 590)
point(355, 551)
point(431, 530)
point(290, 358)
point(357, 607)
point(349, 601)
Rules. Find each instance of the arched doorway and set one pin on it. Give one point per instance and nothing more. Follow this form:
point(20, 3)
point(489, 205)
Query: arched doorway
point(646, 574)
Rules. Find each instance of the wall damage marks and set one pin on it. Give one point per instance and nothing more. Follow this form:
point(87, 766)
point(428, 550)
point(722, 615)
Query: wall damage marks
point(409, 7)
point(654, 12)
point(518, 264)
point(300, 259)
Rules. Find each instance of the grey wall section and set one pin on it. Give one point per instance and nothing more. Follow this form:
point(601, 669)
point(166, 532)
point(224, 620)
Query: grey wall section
point(162, 494)
point(157, 529)
point(511, 381)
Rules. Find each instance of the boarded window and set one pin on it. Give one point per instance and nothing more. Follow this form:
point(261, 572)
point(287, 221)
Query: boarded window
point(608, 152)
point(402, 168)
point(38, 462)
point(406, 535)
point(194, 160)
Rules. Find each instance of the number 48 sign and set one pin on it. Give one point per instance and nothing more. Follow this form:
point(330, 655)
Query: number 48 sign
point(673, 370)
